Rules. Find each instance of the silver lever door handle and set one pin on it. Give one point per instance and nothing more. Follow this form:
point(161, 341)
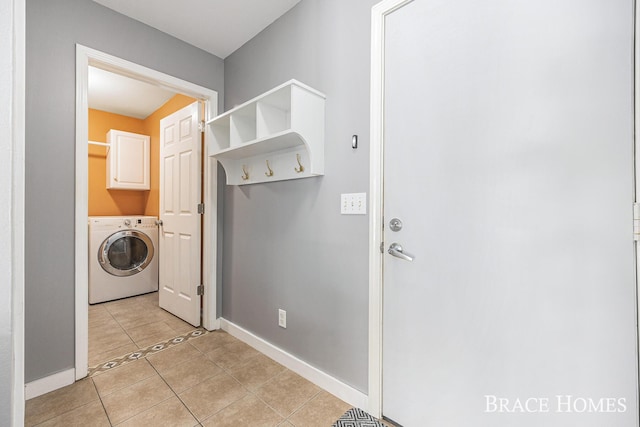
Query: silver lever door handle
point(397, 251)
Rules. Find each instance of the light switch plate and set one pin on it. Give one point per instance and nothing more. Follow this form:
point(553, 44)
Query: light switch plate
point(282, 318)
point(353, 204)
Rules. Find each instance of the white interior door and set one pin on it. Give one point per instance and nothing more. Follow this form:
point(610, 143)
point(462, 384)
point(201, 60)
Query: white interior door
point(180, 194)
point(508, 158)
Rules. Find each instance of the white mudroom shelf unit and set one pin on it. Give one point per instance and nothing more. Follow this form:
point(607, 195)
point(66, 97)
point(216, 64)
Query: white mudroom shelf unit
point(276, 136)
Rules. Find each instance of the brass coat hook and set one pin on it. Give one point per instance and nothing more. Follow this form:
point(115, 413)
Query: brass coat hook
point(270, 173)
point(245, 175)
point(300, 168)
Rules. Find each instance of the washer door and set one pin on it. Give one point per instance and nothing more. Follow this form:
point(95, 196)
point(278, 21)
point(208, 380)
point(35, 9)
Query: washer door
point(125, 253)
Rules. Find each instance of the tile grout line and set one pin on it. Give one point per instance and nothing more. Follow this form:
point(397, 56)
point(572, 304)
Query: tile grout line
point(182, 401)
point(253, 392)
point(125, 330)
point(296, 410)
point(74, 408)
point(148, 409)
point(228, 372)
point(120, 325)
point(305, 404)
point(174, 393)
point(126, 359)
point(137, 382)
point(115, 390)
point(112, 317)
point(135, 304)
point(155, 305)
point(101, 402)
point(222, 409)
point(285, 418)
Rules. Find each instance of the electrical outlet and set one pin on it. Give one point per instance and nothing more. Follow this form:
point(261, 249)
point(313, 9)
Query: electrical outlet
point(353, 204)
point(282, 318)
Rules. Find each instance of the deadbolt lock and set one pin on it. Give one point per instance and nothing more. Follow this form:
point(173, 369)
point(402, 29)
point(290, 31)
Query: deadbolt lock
point(395, 224)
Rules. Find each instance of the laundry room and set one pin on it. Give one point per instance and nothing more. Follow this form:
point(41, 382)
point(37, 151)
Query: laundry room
point(120, 103)
point(123, 211)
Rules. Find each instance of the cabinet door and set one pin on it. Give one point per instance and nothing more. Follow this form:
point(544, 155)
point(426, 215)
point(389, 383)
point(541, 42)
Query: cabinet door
point(128, 161)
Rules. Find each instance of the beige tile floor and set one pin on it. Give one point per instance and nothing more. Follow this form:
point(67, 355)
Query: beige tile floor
point(213, 380)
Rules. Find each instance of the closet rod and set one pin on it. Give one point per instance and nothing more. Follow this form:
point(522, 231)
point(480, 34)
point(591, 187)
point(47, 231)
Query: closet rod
point(103, 144)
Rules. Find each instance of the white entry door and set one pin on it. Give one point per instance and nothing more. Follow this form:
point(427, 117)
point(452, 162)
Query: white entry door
point(508, 185)
point(180, 232)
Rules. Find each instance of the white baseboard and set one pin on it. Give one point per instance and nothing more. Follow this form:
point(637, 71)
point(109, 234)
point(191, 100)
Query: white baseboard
point(212, 326)
point(52, 382)
point(325, 381)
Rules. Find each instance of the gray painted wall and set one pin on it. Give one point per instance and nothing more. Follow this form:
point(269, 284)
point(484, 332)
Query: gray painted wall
point(53, 29)
point(285, 243)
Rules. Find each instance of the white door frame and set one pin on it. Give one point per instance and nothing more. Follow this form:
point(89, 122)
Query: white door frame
point(636, 167)
point(378, 14)
point(84, 57)
point(13, 51)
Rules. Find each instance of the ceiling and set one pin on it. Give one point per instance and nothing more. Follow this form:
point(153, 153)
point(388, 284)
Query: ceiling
point(216, 26)
point(122, 95)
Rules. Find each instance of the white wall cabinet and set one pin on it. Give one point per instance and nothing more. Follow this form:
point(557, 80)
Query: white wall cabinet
point(276, 136)
point(128, 161)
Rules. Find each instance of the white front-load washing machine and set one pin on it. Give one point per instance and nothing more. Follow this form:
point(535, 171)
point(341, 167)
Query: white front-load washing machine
point(123, 259)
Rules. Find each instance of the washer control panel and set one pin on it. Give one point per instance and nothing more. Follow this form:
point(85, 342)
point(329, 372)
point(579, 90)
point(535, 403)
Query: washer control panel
point(141, 222)
point(123, 222)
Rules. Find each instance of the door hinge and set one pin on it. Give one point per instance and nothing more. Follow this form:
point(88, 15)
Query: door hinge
point(200, 290)
point(381, 247)
point(201, 126)
point(636, 221)
point(201, 208)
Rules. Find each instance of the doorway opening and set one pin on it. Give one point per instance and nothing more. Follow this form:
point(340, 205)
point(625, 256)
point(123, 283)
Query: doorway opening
point(86, 57)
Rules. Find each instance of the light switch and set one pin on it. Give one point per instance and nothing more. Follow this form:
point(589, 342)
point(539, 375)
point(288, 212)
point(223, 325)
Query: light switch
point(353, 204)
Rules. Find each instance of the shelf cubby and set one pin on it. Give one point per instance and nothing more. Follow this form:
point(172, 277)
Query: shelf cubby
point(243, 125)
point(274, 113)
point(220, 134)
